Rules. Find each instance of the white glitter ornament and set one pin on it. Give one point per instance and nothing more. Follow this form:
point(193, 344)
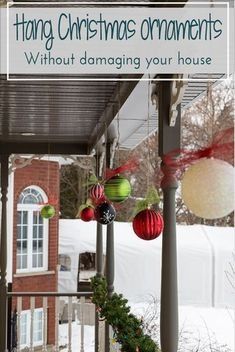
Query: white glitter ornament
point(208, 188)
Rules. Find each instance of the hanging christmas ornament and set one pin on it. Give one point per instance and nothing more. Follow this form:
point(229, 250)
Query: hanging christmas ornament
point(47, 211)
point(105, 213)
point(117, 189)
point(208, 183)
point(97, 191)
point(87, 214)
point(152, 198)
point(208, 188)
point(148, 224)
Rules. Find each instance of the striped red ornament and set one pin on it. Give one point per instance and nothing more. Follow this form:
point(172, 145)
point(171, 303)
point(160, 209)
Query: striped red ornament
point(97, 191)
point(148, 224)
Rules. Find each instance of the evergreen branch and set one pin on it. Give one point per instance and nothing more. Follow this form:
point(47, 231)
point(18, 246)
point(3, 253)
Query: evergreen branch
point(128, 330)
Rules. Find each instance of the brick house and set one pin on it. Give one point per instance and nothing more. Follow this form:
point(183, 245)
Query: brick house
point(35, 246)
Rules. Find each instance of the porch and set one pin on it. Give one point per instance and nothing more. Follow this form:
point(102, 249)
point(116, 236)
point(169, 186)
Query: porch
point(80, 118)
point(33, 122)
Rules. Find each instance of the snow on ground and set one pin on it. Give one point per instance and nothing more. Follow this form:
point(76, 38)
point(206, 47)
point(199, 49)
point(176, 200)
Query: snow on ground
point(216, 323)
point(204, 324)
point(89, 337)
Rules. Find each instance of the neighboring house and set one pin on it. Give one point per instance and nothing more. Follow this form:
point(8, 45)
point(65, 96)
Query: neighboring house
point(35, 246)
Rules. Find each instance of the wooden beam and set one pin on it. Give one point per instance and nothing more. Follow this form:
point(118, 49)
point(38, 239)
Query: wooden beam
point(42, 148)
point(121, 93)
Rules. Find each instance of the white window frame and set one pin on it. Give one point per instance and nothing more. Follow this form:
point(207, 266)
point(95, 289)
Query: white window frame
point(27, 314)
point(30, 208)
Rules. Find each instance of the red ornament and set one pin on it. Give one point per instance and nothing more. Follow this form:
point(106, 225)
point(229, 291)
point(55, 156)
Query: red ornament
point(87, 214)
point(97, 191)
point(148, 224)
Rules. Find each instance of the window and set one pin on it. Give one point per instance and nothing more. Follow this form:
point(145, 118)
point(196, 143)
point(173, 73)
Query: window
point(32, 231)
point(25, 322)
point(65, 262)
point(86, 270)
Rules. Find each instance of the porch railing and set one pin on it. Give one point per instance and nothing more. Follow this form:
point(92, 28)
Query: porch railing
point(72, 313)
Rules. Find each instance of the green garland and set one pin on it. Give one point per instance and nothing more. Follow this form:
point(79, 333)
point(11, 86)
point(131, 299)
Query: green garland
point(127, 328)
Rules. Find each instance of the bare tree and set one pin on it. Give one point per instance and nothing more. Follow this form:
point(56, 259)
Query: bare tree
point(189, 340)
point(201, 122)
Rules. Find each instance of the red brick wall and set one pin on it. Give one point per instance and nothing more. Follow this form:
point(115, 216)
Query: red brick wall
point(37, 174)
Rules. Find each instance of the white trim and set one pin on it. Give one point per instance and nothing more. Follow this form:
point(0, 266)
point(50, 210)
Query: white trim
point(35, 273)
point(30, 208)
point(10, 216)
point(27, 313)
point(39, 190)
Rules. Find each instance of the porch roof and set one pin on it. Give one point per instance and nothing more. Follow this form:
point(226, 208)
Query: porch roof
point(72, 116)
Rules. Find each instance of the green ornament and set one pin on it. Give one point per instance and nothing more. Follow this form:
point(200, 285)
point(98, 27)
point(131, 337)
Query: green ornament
point(48, 211)
point(117, 189)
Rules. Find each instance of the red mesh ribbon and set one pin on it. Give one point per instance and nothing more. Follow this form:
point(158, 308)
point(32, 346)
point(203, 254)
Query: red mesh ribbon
point(222, 147)
point(51, 201)
point(98, 201)
point(131, 165)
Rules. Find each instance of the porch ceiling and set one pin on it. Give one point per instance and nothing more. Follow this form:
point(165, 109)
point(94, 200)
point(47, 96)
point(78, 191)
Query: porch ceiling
point(70, 115)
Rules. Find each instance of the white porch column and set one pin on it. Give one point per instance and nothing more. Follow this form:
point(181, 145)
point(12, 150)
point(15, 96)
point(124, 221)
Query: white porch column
point(3, 254)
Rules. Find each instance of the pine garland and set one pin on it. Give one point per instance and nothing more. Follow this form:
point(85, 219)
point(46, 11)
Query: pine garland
point(128, 330)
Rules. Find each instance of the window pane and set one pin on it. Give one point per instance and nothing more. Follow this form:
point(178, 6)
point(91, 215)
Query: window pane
point(18, 232)
point(35, 261)
point(24, 262)
point(40, 260)
point(24, 230)
point(33, 191)
point(30, 196)
point(35, 246)
point(30, 199)
point(25, 217)
point(40, 232)
point(40, 219)
point(37, 242)
point(22, 243)
point(38, 336)
point(35, 231)
point(40, 246)
point(18, 247)
point(23, 329)
point(35, 217)
point(24, 247)
point(38, 331)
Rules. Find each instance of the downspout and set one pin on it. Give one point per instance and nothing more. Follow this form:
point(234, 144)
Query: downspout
point(99, 257)
point(109, 259)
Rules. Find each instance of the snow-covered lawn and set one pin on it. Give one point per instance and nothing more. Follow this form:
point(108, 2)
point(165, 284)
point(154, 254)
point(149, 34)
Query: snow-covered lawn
point(89, 337)
point(198, 327)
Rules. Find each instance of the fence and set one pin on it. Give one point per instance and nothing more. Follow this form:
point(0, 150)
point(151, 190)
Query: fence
point(49, 321)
